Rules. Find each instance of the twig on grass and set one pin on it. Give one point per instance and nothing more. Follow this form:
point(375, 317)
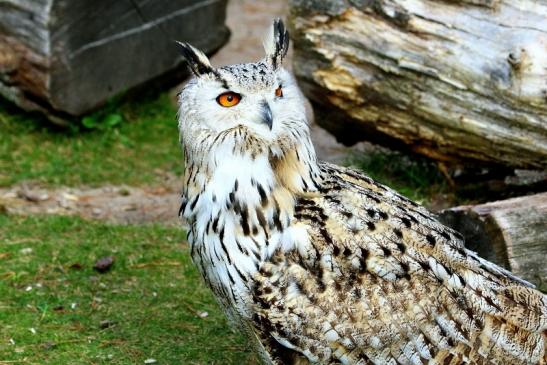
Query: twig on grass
point(155, 264)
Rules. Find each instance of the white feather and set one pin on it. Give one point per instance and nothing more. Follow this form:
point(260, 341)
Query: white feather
point(269, 41)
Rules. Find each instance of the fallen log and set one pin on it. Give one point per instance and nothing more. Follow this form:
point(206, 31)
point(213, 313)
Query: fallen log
point(511, 233)
point(66, 57)
point(458, 81)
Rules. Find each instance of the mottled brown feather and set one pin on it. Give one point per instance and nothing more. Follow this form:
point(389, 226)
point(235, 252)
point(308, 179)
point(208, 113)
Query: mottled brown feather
point(383, 282)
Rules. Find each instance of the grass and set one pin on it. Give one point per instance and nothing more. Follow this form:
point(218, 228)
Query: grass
point(130, 143)
point(417, 178)
point(55, 309)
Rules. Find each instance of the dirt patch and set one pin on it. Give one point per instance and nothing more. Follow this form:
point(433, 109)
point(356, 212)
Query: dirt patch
point(114, 204)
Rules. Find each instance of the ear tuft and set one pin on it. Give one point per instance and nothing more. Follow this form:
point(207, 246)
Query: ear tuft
point(197, 60)
point(276, 43)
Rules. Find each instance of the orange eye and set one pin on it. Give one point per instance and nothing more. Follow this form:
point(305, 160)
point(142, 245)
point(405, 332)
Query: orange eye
point(228, 99)
point(279, 92)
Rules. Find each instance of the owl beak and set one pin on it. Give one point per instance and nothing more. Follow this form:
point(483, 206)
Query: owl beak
point(266, 114)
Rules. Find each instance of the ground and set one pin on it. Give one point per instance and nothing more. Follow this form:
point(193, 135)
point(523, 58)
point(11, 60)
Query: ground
point(55, 309)
point(110, 187)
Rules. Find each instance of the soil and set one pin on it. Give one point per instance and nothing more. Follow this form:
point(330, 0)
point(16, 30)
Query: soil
point(114, 204)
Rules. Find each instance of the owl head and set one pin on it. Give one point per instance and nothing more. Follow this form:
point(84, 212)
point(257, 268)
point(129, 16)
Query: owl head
point(250, 108)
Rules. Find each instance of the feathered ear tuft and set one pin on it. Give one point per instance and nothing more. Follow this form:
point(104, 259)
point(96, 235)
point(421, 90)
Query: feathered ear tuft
point(276, 44)
point(197, 60)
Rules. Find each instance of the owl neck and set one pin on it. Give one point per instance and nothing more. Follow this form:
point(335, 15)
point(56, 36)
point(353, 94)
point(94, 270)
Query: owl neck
point(254, 179)
point(241, 210)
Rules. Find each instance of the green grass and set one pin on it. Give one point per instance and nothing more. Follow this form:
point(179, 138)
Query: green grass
point(151, 296)
point(141, 145)
point(417, 178)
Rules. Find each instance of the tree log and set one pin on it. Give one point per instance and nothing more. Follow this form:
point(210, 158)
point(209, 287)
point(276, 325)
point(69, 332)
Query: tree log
point(511, 233)
point(458, 81)
point(66, 57)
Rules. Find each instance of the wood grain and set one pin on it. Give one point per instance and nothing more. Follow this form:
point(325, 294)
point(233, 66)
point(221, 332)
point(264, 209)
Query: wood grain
point(66, 57)
point(512, 233)
point(453, 80)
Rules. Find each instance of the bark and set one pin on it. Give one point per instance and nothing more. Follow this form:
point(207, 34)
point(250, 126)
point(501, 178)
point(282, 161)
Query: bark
point(66, 57)
point(458, 81)
point(512, 233)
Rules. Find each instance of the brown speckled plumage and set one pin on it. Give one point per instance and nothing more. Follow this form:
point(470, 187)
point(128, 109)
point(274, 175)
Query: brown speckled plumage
point(319, 264)
point(384, 283)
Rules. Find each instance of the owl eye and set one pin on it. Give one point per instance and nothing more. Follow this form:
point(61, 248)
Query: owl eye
point(279, 92)
point(228, 99)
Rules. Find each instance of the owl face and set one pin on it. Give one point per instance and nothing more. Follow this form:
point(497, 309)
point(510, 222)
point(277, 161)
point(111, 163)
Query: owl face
point(253, 106)
point(250, 96)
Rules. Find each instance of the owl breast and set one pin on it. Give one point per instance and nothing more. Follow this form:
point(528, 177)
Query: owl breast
point(238, 216)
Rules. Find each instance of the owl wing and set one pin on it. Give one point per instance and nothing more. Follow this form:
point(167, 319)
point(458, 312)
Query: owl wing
point(381, 281)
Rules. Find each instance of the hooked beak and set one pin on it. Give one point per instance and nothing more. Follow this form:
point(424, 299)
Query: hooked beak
point(266, 114)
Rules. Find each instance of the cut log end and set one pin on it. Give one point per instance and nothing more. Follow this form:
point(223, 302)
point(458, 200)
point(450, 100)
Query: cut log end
point(510, 233)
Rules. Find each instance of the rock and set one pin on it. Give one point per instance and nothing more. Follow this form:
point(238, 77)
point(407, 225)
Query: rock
point(49, 345)
point(34, 196)
point(511, 233)
point(67, 57)
point(104, 264)
point(458, 81)
point(106, 324)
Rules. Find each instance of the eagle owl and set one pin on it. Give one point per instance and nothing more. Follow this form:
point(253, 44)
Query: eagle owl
point(320, 264)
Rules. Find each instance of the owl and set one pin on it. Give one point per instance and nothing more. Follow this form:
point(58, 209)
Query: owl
point(320, 264)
